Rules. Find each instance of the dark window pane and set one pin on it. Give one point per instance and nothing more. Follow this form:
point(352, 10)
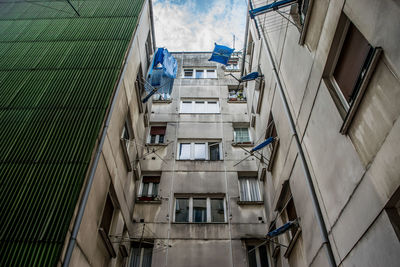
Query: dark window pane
point(155, 189)
point(161, 139)
point(182, 210)
point(107, 215)
point(263, 256)
point(147, 255)
point(217, 210)
point(199, 210)
point(252, 256)
point(214, 152)
point(152, 139)
point(126, 132)
point(145, 189)
point(351, 61)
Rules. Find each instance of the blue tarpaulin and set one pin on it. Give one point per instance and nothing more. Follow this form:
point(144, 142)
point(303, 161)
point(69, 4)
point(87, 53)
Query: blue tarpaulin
point(282, 229)
point(161, 74)
point(221, 54)
point(250, 77)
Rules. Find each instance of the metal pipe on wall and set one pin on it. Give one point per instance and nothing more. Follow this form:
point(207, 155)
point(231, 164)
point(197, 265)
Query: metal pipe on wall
point(310, 185)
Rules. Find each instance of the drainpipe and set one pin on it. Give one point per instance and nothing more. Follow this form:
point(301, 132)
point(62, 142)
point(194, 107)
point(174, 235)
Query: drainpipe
point(246, 33)
point(82, 205)
point(153, 35)
point(310, 185)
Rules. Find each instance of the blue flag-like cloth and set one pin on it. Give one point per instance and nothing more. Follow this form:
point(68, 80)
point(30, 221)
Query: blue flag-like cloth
point(281, 229)
point(170, 65)
point(221, 54)
point(249, 77)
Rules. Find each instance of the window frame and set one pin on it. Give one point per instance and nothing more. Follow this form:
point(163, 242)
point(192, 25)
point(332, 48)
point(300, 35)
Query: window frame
point(105, 233)
point(195, 109)
point(235, 135)
point(127, 131)
point(194, 72)
point(247, 178)
point(150, 194)
point(208, 208)
point(207, 144)
point(157, 136)
point(348, 110)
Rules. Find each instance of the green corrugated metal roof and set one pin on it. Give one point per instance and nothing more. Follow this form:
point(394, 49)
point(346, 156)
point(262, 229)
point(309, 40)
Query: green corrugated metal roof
point(57, 75)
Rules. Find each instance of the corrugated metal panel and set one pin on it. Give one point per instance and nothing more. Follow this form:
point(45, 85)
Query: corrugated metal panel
point(57, 74)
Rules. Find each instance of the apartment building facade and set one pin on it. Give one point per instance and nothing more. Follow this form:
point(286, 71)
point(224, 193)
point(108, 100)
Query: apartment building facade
point(72, 81)
point(337, 66)
point(194, 205)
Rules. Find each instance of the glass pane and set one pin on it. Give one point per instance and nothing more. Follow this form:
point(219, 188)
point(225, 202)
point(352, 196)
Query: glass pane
point(254, 192)
point(188, 73)
point(147, 255)
point(199, 73)
point(199, 210)
point(161, 139)
point(182, 210)
point(217, 210)
point(244, 196)
point(145, 189)
point(135, 257)
point(252, 256)
point(152, 139)
point(184, 151)
point(214, 152)
point(199, 107)
point(199, 151)
point(263, 256)
point(212, 107)
point(186, 107)
point(155, 189)
point(211, 74)
point(242, 135)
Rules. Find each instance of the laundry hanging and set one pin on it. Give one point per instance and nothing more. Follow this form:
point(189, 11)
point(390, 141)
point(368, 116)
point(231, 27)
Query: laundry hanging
point(161, 74)
point(221, 54)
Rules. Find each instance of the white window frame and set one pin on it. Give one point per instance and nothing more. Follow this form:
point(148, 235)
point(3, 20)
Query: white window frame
point(207, 108)
point(205, 73)
point(248, 132)
point(192, 143)
point(208, 207)
point(247, 178)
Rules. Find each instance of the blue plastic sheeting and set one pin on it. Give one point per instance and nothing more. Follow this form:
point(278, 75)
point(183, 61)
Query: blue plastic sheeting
point(263, 144)
point(250, 77)
point(282, 229)
point(161, 74)
point(221, 54)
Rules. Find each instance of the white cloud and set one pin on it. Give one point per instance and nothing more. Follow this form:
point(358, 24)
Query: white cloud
point(185, 28)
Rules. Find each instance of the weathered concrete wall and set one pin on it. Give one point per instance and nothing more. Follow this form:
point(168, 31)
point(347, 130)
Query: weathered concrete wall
point(356, 174)
point(200, 244)
point(112, 169)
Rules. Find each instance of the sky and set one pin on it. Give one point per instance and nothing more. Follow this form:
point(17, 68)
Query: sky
point(195, 25)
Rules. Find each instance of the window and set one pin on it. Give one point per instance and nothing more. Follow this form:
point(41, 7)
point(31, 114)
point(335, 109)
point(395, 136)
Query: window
point(393, 211)
point(105, 225)
point(139, 88)
point(200, 209)
point(257, 255)
point(199, 73)
point(236, 93)
point(141, 254)
point(271, 149)
point(149, 188)
point(233, 64)
point(182, 210)
point(349, 68)
point(126, 137)
point(148, 48)
point(286, 209)
point(159, 96)
point(157, 134)
point(241, 135)
point(200, 150)
point(199, 106)
point(249, 189)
